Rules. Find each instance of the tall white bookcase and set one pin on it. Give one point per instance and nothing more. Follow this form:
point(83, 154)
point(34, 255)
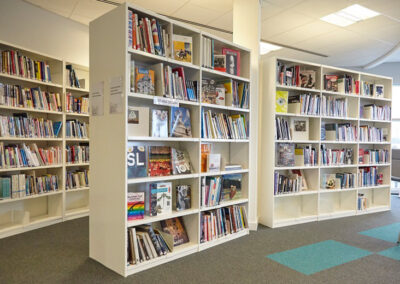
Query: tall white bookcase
point(110, 58)
point(18, 215)
point(316, 203)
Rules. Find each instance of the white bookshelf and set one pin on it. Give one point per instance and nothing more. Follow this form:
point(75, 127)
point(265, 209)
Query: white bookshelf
point(110, 57)
point(18, 215)
point(316, 203)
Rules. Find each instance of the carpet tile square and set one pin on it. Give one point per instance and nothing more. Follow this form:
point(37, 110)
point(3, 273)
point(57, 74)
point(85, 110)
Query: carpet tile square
point(393, 253)
point(389, 233)
point(319, 256)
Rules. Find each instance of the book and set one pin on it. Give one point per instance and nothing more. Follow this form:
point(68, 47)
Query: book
point(135, 205)
point(183, 197)
point(144, 80)
point(138, 121)
point(220, 99)
point(176, 228)
point(159, 161)
point(379, 91)
point(331, 83)
point(231, 187)
point(281, 101)
point(214, 163)
point(159, 199)
point(205, 151)
point(182, 46)
point(180, 122)
point(299, 128)
point(180, 162)
point(307, 79)
point(232, 61)
point(209, 91)
point(285, 155)
point(137, 161)
point(159, 123)
point(220, 62)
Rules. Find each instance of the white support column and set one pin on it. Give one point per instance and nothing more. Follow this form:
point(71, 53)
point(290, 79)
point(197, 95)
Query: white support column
point(246, 32)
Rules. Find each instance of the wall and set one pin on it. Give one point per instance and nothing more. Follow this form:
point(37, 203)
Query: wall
point(29, 26)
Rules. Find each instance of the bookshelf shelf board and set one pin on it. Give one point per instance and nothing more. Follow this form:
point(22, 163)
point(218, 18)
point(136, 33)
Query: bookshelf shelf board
point(152, 219)
point(161, 178)
point(374, 143)
point(77, 139)
point(337, 142)
point(238, 109)
point(374, 120)
point(166, 139)
point(374, 165)
point(375, 99)
point(77, 114)
point(339, 118)
point(223, 239)
point(225, 204)
point(298, 141)
point(76, 213)
point(8, 200)
point(30, 168)
point(29, 139)
point(296, 115)
point(142, 56)
point(304, 192)
point(282, 222)
point(22, 109)
point(77, 189)
point(74, 89)
point(373, 187)
point(7, 229)
point(37, 220)
point(77, 164)
point(18, 78)
point(222, 75)
point(296, 168)
point(339, 94)
point(338, 166)
point(336, 190)
point(151, 97)
point(336, 214)
point(183, 64)
point(373, 209)
point(208, 140)
point(208, 174)
point(278, 86)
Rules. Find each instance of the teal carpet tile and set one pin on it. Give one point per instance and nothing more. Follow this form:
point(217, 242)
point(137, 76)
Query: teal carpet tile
point(393, 253)
point(389, 233)
point(319, 256)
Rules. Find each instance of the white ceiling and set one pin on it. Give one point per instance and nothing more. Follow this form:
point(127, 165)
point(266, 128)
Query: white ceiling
point(289, 22)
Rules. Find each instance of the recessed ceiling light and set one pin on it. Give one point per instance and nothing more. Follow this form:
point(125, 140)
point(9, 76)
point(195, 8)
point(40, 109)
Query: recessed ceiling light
point(350, 15)
point(268, 47)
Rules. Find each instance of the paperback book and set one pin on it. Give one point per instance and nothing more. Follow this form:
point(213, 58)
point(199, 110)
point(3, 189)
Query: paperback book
point(160, 161)
point(135, 205)
point(159, 123)
point(180, 122)
point(231, 187)
point(159, 199)
point(136, 161)
point(176, 228)
point(183, 197)
point(180, 162)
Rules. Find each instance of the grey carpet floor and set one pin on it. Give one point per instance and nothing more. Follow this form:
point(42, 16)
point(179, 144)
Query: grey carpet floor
point(59, 254)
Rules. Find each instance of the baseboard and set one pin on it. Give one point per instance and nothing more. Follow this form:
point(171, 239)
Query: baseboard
point(253, 226)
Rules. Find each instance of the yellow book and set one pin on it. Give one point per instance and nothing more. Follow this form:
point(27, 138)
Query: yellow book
point(240, 92)
point(281, 101)
point(182, 48)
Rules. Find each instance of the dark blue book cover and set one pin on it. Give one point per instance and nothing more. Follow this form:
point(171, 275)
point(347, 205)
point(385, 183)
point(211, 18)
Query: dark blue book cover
point(137, 161)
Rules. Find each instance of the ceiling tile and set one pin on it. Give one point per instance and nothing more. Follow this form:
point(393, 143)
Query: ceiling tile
point(371, 25)
point(269, 10)
point(162, 7)
point(217, 5)
point(82, 19)
point(387, 7)
point(317, 8)
point(194, 13)
point(285, 4)
point(91, 9)
point(61, 7)
point(224, 22)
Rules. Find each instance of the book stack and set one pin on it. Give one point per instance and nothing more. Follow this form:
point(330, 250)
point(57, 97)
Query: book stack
point(23, 125)
point(371, 156)
point(282, 129)
point(75, 154)
point(218, 223)
point(223, 126)
point(14, 63)
point(306, 104)
point(77, 179)
point(285, 156)
point(294, 182)
point(362, 202)
point(331, 106)
point(372, 134)
point(71, 77)
point(76, 105)
point(76, 129)
point(305, 156)
point(342, 84)
point(33, 98)
point(336, 157)
point(177, 86)
point(295, 76)
point(147, 35)
point(338, 180)
point(338, 132)
point(369, 176)
point(376, 112)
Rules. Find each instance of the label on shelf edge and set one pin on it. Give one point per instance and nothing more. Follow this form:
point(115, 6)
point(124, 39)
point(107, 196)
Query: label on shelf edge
point(165, 101)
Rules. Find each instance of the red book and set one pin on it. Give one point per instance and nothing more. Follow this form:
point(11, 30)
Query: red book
point(181, 73)
point(147, 36)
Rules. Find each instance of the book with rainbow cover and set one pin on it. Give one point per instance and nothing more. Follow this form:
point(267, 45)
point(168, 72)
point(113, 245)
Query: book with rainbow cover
point(135, 205)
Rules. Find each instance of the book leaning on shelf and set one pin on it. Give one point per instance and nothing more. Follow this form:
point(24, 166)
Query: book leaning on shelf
point(75, 154)
point(76, 129)
point(294, 182)
point(341, 83)
point(306, 104)
point(369, 89)
point(376, 112)
point(338, 181)
point(76, 105)
point(223, 126)
point(72, 79)
point(177, 86)
point(373, 156)
point(331, 106)
point(76, 179)
point(21, 155)
point(336, 157)
point(372, 134)
point(295, 76)
point(14, 63)
point(32, 98)
point(362, 202)
point(369, 176)
point(305, 155)
point(338, 132)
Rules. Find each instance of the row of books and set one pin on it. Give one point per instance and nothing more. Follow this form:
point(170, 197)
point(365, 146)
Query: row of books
point(304, 104)
point(76, 105)
point(362, 202)
point(369, 176)
point(372, 90)
point(76, 179)
point(305, 155)
point(223, 126)
point(211, 162)
point(282, 129)
point(14, 63)
point(224, 221)
point(32, 98)
point(218, 189)
point(177, 86)
point(373, 156)
point(331, 106)
point(336, 157)
point(341, 83)
point(295, 76)
point(376, 112)
point(226, 93)
point(75, 154)
point(71, 77)
point(338, 132)
point(146, 161)
point(25, 126)
point(148, 35)
point(21, 185)
point(372, 134)
point(291, 183)
point(76, 129)
point(338, 181)
point(16, 156)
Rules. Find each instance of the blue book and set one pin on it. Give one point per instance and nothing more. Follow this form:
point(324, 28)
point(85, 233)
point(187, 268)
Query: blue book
point(180, 122)
point(57, 127)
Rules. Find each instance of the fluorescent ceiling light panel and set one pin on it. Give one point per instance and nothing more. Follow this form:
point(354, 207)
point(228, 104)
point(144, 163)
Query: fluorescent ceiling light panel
point(268, 47)
point(350, 15)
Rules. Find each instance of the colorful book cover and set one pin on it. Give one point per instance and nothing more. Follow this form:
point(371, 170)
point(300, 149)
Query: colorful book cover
point(220, 62)
point(307, 79)
point(182, 48)
point(137, 164)
point(232, 61)
point(231, 186)
point(205, 151)
point(183, 197)
point(144, 81)
point(180, 122)
point(159, 198)
point(159, 123)
point(281, 101)
point(176, 228)
point(159, 161)
point(180, 162)
point(135, 205)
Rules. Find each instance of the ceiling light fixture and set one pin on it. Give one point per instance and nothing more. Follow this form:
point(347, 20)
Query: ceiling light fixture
point(350, 15)
point(266, 47)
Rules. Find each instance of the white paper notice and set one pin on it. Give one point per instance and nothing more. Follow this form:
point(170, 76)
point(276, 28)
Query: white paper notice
point(165, 101)
point(97, 99)
point(116, 94)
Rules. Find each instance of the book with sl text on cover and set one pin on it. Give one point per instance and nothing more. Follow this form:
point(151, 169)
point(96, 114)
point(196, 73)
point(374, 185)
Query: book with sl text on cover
point(137, 162)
